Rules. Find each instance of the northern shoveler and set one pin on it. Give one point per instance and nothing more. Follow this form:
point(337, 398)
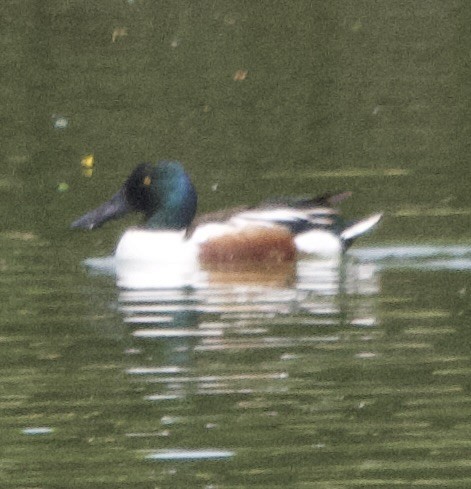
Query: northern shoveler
point(275, 231)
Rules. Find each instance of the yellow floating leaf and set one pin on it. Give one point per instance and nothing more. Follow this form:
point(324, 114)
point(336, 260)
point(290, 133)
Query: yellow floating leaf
point(118, 32)
point(229, 19)
point(240, 75)
point(357, 26)
point(88, 161)
point(63, 187)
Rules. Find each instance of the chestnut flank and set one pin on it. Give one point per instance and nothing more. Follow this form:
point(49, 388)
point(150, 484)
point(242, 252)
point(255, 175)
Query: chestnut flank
point(265, 245)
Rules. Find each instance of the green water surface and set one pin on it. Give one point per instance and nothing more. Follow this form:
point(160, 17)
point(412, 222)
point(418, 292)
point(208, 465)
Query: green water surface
point(344, 388)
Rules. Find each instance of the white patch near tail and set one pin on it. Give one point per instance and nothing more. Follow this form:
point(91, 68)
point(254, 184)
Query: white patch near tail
point(360, 227)
point(319, 242)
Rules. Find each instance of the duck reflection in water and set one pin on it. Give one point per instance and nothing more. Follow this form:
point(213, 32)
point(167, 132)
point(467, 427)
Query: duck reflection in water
point(178, 331)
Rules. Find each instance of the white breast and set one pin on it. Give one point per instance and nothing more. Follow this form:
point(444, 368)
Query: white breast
point(155, 246)
point(156, 259)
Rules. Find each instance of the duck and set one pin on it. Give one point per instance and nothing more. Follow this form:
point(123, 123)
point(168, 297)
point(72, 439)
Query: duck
point(275, 231)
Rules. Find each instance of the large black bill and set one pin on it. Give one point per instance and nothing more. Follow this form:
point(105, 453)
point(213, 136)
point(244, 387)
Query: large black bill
point(116, 207)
